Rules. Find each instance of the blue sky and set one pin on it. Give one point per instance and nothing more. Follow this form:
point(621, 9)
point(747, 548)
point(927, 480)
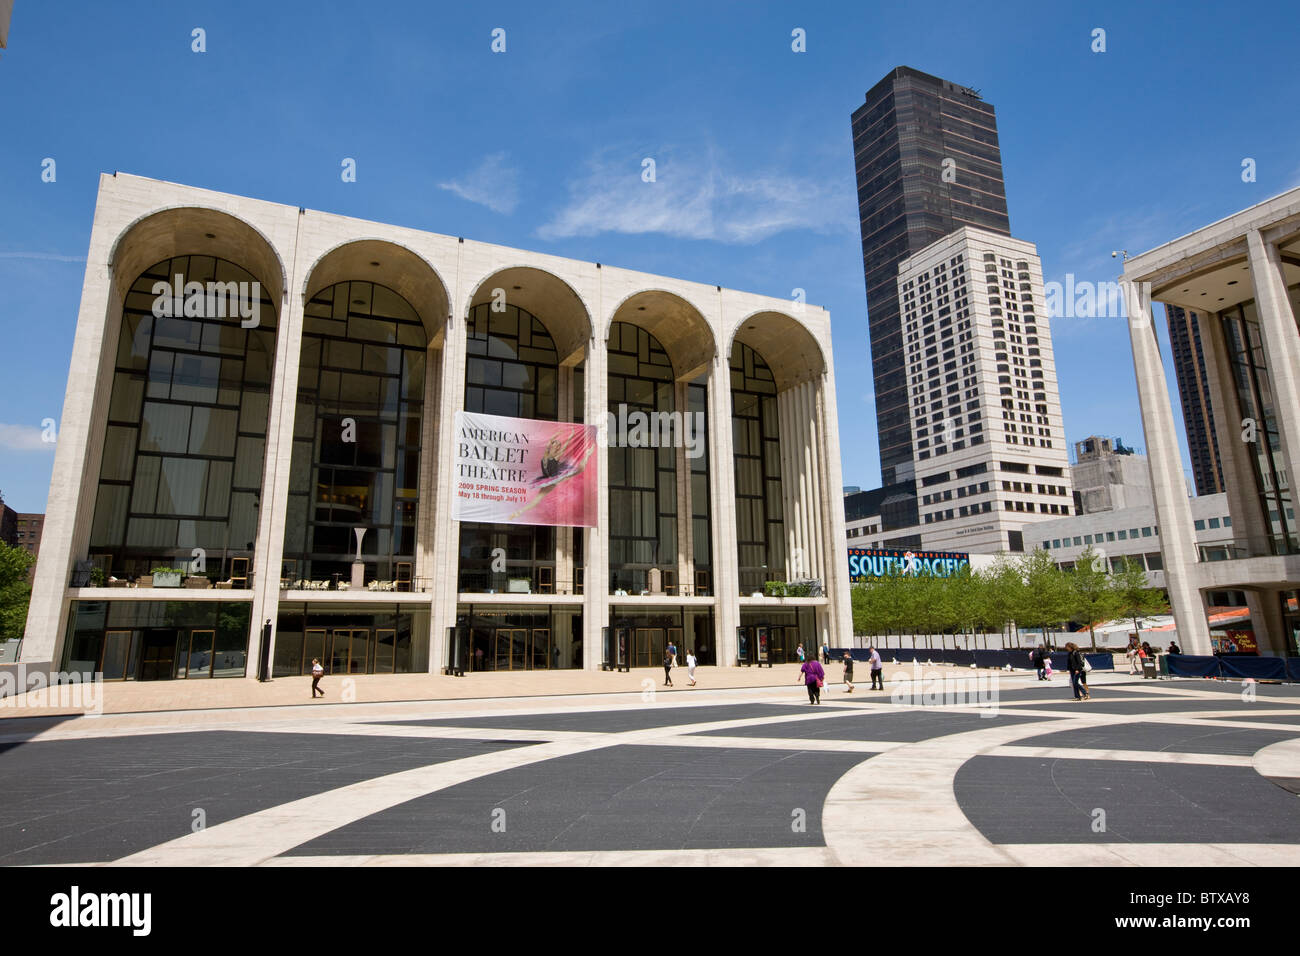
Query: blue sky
point(541, 147)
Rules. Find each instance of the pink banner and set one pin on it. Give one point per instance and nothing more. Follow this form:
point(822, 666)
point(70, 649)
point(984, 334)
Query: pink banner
point(524, 471)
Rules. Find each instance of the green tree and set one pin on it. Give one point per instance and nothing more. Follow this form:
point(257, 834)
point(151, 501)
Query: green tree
point(1134, 598)
point(1045, 598)
point(15, 592)
point(1093, 597)
point(998, 594)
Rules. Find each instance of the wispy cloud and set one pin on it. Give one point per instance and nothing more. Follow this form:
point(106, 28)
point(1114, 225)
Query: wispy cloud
point(43, 256)
point(23, 438)
point(493, 183)
point(695, 197)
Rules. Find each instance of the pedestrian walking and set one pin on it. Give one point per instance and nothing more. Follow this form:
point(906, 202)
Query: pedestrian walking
point(1041, 660)
point(848, 672)
point(802, 655)
point(826, 654)
point(317, 672)
point(672, 652)
point(690, 667)
point(877, 670)
point(668, 669)
point(1079, 668)
point(1132, 655)
point(813, 677)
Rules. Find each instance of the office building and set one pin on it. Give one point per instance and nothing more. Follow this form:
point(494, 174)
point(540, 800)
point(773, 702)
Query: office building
point(1194, 392)
point(927, 160)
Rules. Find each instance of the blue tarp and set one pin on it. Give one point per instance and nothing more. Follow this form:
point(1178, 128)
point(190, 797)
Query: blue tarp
point(1260, 668)
point(1293, 668)
point(1192, 665)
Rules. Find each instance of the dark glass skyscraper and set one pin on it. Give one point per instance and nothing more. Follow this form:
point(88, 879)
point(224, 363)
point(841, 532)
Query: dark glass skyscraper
point(1194, 390)
point(905, 133)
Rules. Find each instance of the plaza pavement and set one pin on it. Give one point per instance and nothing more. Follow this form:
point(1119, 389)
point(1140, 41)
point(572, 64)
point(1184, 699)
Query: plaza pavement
point(1195, 773)
point(121, 697)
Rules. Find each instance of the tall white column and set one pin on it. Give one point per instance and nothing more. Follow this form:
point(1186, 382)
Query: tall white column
point(595, 589)
point(836, 569)
point(274, 499)
point(444, 567)
point(1168, 486)
point(722, 488)
point(74, 482)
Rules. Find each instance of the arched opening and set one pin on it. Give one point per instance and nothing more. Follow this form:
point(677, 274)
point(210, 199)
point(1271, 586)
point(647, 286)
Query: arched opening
point(526, 338)
point(357, 439)
point(180, 481)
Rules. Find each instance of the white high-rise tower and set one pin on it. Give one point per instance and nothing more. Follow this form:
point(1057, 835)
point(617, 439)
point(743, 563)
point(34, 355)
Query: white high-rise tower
point(988, 442)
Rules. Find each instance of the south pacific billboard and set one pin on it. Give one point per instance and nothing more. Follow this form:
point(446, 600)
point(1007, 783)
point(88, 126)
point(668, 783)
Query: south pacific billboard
point(525, 471)
point(866, 564)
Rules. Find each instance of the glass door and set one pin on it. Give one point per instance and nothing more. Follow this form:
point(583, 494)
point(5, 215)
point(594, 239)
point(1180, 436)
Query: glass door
point(313, 648)
point(158, 652)
point(196, 655)
point(385, 647)
point(540, 658)
point(359, 659)
point(510, 651)
point(650, 647)
point(340, 651)
point(117, 652)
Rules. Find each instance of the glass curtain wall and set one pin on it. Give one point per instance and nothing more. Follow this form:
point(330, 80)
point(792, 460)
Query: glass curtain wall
point(760, 529)
point(184, 449)
point(158, 640)
point(702, 524)
point(1254, 386)
point(512, 369)
point(356, 449)
point(642, 462)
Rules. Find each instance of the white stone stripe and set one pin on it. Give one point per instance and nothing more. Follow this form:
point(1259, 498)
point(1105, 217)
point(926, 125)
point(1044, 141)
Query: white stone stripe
point(1139, 756)
point(1152, 854)
point(788, 856)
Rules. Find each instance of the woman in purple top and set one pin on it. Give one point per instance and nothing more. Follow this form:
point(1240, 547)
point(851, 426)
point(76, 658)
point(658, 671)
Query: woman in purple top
point(813, 675)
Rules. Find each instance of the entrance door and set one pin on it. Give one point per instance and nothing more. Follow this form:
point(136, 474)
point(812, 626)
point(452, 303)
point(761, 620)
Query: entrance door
point(540, 656)
point(117, 652)
point(649, 647)
point(340, 651)
point(158, 653)
point(359, 659)
point(385, 646)
point(510, 652)
point(776, 649)
point(195, 654)
point(313, 648)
